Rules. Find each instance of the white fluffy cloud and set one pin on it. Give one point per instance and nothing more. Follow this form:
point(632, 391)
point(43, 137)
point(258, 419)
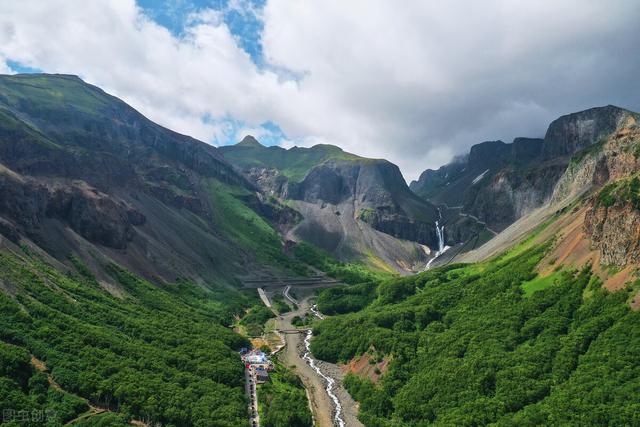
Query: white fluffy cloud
point(414, 82)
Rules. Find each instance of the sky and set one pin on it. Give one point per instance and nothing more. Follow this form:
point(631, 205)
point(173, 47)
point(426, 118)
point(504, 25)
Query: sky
point(415, 82)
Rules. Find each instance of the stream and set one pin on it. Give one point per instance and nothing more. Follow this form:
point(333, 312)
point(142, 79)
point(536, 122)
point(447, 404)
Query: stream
point(337, 418)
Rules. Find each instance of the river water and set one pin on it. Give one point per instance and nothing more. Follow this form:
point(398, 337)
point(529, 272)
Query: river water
point(337, 418)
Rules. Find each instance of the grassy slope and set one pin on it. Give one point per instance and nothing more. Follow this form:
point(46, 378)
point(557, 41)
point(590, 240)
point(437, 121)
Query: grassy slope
point(622, 191)
point(245, 228)
point(294, 163)
point(242, 225)
point(470, 346)
point(38, 91)
point(161, 354)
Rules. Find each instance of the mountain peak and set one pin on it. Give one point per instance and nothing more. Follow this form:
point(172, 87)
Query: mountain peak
point(573, 132)
point(249, 141)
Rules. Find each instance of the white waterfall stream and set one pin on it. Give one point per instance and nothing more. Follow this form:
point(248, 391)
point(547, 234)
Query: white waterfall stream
point(442, 248)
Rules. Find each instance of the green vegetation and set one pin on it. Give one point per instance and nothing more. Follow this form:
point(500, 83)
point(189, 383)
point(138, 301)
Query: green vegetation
point(244, 226)
point(14, 129)
point(44, 97)
point(160, 353)
point(624, 191)
point(235, 219)
point(283, 401)
point(255, 319)
point(351, 273)
point(280, 304)
point(492, 344)
point(346, 299)
point(588, 151)
point(27, 397)
point(299, 322)
point(293, 164)
point(367, 215)
point(539, 283)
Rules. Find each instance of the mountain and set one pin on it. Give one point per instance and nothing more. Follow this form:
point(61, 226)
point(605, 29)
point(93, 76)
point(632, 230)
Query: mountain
point(81, 172)
point(351, 206)
point(122, 244)
point(121, 248)
point(499, 183)
point(546, 311)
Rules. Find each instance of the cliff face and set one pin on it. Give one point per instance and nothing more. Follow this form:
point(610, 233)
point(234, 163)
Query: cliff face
point(615, 232)
point(351, 206)
point(82, 172)
point(499, 183)
point(574, 132)
point(612, 221)
point(92, 214)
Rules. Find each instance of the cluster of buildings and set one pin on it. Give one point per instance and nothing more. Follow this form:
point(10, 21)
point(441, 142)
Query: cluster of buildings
point(257, 363)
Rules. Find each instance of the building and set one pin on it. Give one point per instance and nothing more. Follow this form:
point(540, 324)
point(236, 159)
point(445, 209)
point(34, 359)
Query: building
point(256, 357)
point(262, 376)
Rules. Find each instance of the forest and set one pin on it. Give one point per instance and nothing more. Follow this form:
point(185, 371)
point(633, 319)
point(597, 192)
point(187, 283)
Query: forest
point(489, 343)
point(159, 354)
point(283, 401)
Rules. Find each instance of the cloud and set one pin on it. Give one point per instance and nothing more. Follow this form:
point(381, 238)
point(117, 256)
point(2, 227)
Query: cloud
point(421, 82)
point(415, 84)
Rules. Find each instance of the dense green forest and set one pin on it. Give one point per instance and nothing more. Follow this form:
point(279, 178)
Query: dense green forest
point(159, 353)
point(283, 401)
point(255, 318)
point(489, 343)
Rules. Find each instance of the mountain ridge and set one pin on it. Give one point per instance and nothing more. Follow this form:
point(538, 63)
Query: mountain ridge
point(513, 179)
point(77, 160)
point(351, 206)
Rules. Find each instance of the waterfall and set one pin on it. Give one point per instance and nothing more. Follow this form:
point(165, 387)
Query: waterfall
point(442, 248)
point(440, 233)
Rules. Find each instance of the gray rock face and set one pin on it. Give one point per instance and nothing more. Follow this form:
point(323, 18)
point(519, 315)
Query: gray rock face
point(499, 183)
point(352, 206)
point(615, 233)
point(574, 132)
point(96, 216)
point(374, 188)
point(613, 227)
point(82, 172)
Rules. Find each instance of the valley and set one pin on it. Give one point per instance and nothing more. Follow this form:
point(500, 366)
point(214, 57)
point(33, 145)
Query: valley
point(136, 262)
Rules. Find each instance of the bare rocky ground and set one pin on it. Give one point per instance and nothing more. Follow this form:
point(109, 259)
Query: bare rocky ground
point(291, 355)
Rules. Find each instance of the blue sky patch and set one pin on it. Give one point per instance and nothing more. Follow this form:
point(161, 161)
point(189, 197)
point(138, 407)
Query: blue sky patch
point(20, 68)
point(243, 23)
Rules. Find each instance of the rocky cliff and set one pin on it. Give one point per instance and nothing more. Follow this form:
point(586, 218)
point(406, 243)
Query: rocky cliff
point(352, 206)
point(82, 172)
point(500, 183)
point(612, 168)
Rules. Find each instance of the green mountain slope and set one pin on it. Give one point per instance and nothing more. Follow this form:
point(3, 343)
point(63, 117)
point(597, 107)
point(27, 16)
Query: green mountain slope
point(482, 344)
point(160, 354)
point(293, 163)
point(121, 244)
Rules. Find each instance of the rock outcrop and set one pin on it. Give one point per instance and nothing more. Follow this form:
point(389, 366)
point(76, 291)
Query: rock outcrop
point(500, 183)
point(612, 221)
point(615, 232)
